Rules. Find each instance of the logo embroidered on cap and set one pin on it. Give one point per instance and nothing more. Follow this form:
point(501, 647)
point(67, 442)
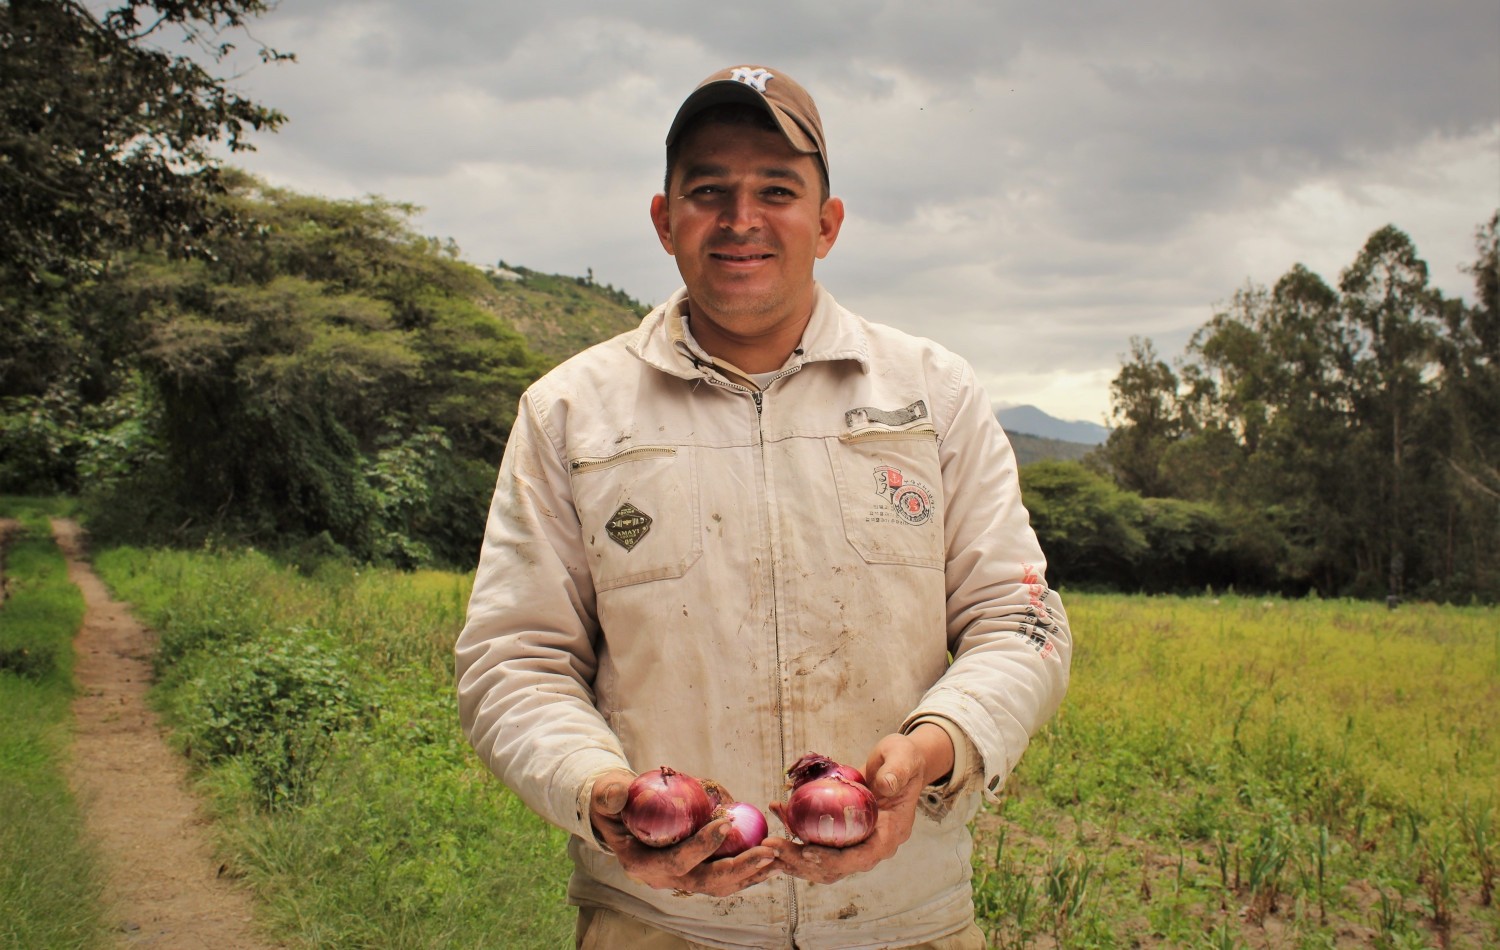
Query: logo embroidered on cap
point(628, 525)
point(755, 78)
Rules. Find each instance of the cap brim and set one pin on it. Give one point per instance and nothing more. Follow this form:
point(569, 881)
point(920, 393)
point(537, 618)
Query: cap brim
point(732, 90)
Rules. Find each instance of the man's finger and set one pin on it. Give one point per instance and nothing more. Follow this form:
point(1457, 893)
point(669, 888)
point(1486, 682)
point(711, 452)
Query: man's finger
point(610, 795)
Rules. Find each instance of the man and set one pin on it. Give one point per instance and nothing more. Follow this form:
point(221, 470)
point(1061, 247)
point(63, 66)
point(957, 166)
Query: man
point(756, 527)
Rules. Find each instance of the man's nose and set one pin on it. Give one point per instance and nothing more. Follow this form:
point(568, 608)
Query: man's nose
point(741, 211)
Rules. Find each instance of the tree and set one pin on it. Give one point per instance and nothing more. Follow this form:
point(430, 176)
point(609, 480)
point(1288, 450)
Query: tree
point(1466, 438)
point(323, 372)
point(1148, 418)
point(1388, 303)
point(1089, 527)
point(1345, 439)
point(104, 138)
point(1280, 365)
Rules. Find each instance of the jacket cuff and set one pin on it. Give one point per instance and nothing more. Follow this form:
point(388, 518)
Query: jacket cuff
point(964, 754)
point(573, 789)
point(995, 747)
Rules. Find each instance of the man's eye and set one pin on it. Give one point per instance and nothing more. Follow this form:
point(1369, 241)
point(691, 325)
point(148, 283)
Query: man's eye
point(779, 194)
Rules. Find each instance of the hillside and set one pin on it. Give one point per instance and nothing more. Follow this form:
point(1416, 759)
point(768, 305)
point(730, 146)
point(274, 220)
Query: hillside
point(1034, 448)
point(560, 315)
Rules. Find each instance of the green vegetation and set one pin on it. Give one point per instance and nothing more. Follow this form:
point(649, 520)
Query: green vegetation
point(1355, 428)
point(317, 709)
point(1225, 772)
point(106, 138)
point(326, 381)
point(1030, 449)
point(560, 316)
point(50, 887)
point(1248, 772)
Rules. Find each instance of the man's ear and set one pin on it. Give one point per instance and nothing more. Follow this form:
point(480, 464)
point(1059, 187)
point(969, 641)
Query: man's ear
point(830, 220)
point(662, 221)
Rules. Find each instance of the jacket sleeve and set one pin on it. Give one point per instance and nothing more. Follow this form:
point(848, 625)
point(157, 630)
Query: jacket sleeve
point(1007, 632)
point(526, 658)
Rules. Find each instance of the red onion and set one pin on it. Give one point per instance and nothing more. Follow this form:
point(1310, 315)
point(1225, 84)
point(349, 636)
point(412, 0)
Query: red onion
point(830, 804)
point(747, 828)
point(813, 766)
point(664, 806)
point(717, 794)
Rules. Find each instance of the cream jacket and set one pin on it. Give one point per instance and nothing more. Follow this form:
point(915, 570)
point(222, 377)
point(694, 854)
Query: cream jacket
point(681, 570)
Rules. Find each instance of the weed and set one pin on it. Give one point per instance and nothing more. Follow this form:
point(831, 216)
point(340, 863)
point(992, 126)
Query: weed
point(1004, 897)
point(1436, 878)
point(276, 702)
point(1479, 832)
point(1267, 857)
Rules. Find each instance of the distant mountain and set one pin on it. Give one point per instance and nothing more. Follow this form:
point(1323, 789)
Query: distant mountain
point(1033, 421)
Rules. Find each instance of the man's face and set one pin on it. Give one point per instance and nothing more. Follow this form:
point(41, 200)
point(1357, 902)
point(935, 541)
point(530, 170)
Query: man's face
point(745, 218)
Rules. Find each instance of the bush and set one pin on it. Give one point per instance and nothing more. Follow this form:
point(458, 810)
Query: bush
point(33, 660)
point(275, 704)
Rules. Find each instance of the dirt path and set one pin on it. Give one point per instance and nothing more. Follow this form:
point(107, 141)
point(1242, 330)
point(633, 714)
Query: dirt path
point(164, 888)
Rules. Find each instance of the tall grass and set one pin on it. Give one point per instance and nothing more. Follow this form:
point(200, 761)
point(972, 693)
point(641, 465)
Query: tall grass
point(398, 838)
point(50, 882)
point(1265, 772)
point(1224, 773)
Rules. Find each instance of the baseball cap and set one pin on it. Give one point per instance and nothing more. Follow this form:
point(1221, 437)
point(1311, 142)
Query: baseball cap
point(784, 100)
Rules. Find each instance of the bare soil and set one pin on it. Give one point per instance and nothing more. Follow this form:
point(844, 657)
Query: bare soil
point(165, 889)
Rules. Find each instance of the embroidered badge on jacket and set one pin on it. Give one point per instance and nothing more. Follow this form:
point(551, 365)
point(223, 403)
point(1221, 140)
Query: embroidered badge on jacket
point(628, 525)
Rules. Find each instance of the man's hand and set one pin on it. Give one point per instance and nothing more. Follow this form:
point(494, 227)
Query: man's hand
point(899, 768)
point(686, 867)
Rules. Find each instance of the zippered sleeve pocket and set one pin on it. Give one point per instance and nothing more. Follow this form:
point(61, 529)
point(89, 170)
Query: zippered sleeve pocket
point(639, 513)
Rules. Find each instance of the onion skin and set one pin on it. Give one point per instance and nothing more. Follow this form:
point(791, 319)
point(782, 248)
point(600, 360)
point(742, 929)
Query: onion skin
point(664, 806)
point(718, 795)
point(830, 804)
point(812, 766)
point(747, 828)
point(833, 812)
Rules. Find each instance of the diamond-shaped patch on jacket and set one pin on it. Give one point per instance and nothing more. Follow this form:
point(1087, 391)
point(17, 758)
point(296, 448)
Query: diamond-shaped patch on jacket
point(628, 525)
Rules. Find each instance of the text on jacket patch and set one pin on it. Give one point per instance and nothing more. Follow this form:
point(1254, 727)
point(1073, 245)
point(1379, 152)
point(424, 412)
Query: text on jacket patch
point(628, 525)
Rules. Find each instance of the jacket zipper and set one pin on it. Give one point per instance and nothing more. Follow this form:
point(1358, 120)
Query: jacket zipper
point(925, 431)
point(793, 912)
point(580, 465)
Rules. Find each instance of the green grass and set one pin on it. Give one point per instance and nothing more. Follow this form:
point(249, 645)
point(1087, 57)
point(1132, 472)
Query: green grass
point(1248, 772)
point(50, 883)
point(395, 837)
point(1231, 772)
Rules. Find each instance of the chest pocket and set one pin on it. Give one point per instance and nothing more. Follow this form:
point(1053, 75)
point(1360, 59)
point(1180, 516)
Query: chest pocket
point(639, 513)
point(890, 495)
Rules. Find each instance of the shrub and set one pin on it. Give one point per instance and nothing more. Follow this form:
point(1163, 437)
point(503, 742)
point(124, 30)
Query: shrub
point(275, 703)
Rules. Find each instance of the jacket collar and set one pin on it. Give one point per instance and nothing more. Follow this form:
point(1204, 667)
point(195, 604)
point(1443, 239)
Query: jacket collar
point(832, 333)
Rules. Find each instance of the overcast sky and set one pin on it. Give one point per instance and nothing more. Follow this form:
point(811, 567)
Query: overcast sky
point(1029, 184)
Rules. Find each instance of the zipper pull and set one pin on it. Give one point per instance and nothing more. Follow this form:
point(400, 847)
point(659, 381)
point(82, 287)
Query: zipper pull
point(757, 396)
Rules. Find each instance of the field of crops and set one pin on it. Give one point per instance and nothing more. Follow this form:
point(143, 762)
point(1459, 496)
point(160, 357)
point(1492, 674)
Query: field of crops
point(1244, 772)
point(1226, 772)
